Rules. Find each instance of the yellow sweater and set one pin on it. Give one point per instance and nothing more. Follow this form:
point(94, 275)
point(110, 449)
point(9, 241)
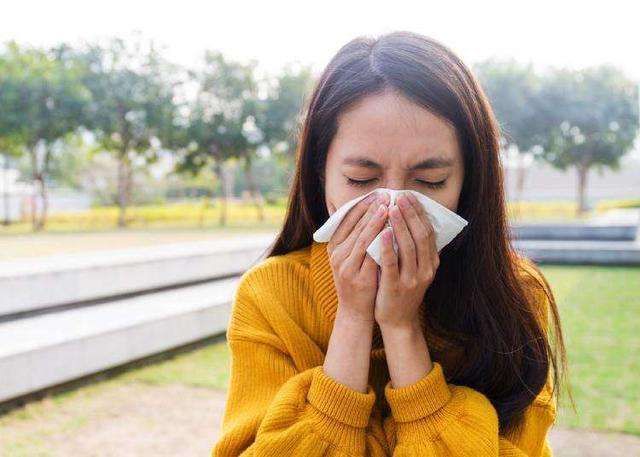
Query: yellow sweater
point(281, 403)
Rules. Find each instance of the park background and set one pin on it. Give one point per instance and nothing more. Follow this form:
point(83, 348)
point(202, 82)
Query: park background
point(140, 127)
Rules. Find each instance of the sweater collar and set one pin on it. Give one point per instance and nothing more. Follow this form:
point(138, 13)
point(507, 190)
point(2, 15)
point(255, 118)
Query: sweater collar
point(325, 292)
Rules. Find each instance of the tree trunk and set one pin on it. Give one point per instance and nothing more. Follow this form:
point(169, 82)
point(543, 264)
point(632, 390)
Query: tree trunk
point(203, 211)
point(44, 203)
point(5, 195)
point(254, 191)
point(583, 170)
point(223, 189)
point(34, 174)
point(123, 188)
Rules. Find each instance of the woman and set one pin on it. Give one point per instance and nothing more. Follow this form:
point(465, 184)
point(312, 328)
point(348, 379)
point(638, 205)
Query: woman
point(444, 353)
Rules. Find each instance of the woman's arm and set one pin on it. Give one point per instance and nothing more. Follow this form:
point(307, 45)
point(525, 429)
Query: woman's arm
point(407, 353)
point(431, 417)
point(273, 408)
point(349, 350)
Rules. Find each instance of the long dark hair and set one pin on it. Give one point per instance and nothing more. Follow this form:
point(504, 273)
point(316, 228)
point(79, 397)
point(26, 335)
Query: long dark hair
point(477, 296)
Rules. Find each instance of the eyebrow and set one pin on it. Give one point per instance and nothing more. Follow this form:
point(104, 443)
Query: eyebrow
point(434, 162)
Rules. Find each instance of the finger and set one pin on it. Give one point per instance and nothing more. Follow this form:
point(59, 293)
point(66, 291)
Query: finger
point(419, 232)
point(422, 213)
point(389, 273)
point(406, 246)
point(364, 221)
point(369, 266)
point(368, 234)
point(351, 219)
point(361, 223)
point(424, 217)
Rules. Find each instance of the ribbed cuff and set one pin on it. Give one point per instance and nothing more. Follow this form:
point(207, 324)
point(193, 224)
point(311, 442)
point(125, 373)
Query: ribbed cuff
point(338, 401)
point(420, 399)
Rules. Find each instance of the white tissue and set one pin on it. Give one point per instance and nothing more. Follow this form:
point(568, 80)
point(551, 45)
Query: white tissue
point(446, 223)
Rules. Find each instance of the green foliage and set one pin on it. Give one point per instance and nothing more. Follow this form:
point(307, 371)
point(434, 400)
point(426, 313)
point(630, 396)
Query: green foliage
point(221, 117)
point(132, 96)
point(512, 89)
point(41, 95)
point(279, 114)
point(566, 117)
point(593, 117)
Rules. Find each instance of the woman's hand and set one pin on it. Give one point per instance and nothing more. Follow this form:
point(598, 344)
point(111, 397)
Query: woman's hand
point(404, 280)
point(355, 276)
point(354, 271)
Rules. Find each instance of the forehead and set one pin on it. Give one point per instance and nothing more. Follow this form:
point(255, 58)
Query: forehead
point(388, 125)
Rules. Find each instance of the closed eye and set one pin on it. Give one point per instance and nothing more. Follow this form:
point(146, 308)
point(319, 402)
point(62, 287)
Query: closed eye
point(366, 182)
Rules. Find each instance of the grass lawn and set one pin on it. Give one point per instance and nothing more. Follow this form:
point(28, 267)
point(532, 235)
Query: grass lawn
point(600, 308)
point(600, 311)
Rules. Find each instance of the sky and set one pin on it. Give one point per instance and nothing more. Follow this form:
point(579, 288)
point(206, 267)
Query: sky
point(545, 33)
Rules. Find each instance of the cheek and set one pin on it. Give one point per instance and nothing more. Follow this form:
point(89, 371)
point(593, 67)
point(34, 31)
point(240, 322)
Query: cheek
point(453, 196)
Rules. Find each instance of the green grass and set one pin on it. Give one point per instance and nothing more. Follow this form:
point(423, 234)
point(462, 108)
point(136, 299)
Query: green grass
point(600, 311)
point(206, 367)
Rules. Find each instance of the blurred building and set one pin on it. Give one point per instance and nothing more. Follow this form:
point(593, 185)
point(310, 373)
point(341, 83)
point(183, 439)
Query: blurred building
point(16, 197)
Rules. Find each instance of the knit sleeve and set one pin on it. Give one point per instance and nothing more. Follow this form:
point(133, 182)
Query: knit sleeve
point(432, 417)
point(273, 408)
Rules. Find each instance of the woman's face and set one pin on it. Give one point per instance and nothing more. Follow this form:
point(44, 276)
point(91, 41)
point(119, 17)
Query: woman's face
point(388, 141)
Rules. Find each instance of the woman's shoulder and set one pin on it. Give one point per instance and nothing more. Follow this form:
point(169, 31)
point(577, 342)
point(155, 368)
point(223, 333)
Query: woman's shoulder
point(271, 286)
point(270, 271)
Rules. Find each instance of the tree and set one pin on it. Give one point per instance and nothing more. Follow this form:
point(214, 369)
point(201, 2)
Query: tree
point(592, 118)
point(512, 89)
point(279, 113)
point(220, 120)
point(43, 102)
point(132, 107)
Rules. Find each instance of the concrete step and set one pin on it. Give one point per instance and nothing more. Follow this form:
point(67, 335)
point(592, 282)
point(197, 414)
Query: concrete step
point(575, 231)
point(42, 282)
point(48, 349)
point(581, 252)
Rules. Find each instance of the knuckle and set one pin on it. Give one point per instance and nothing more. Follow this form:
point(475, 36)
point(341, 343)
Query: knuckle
point(343, 274)
point(410, 283)
point(335, 257)
point(361, 243)
point(388, 262)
